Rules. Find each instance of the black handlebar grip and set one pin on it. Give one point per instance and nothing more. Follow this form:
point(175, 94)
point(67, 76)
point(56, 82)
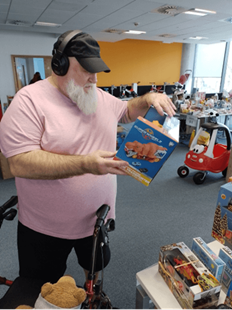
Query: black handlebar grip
point(10, 203)
point(101, 214)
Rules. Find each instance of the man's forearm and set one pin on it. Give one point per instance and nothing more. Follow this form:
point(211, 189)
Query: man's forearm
point(137, 106)
point(44, 165)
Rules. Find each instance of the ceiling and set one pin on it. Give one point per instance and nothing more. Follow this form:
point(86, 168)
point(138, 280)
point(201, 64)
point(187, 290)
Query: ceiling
point(107, 20)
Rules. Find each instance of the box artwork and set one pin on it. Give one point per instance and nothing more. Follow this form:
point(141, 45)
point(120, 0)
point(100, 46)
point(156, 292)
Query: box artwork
point(222, 224)
point(228, 300)
point(188, 279)
point(225, 254)
point(148, 145)
point(214, 263)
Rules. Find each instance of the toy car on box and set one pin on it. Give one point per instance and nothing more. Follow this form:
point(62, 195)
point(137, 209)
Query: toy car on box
point(188, 279)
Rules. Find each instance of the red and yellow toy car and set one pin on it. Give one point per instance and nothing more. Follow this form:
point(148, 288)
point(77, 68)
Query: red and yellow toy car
point(213, 157)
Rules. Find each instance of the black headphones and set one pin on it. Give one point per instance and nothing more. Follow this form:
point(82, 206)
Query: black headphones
point(60, 62)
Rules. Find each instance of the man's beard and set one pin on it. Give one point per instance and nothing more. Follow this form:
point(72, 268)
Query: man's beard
point(86, 101)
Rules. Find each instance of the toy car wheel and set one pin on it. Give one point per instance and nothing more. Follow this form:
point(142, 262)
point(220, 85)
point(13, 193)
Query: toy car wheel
point(199, 177)
point(183, 171)
point(224, 172)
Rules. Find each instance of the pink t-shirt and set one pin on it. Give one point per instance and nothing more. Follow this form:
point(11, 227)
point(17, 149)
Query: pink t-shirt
point(40, 117)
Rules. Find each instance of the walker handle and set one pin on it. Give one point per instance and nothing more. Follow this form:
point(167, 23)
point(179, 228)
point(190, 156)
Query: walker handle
point(101, 214)
point(10, 203)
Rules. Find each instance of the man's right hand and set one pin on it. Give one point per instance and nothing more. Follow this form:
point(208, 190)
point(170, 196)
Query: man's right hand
point(101, 162)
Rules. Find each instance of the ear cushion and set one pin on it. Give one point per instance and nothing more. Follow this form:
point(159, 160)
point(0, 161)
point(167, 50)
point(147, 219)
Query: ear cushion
point(60, 64)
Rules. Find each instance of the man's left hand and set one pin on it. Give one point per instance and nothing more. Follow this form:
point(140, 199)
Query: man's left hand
point(161, 102)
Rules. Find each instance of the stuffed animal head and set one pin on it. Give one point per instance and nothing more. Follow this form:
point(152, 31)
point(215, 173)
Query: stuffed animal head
point(63, 294)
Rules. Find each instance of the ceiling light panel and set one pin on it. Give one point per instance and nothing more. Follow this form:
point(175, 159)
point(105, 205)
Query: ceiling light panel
point(205, 11)
point(195, 13)
point(135, 32)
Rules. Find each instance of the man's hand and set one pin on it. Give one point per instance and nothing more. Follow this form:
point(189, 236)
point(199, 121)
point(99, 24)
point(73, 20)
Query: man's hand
point(139, 106)
point(100, 162)
point(161, 103)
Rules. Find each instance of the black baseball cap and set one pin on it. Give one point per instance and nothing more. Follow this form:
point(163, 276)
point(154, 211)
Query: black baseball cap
point(85, 49)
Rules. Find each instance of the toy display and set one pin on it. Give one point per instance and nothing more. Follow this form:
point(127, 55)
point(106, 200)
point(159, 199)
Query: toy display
point(214, 263)
point(222, 224)
point(63, 294)
point(213, 157)
point(148, 145)
point(225, 254)
point(228, 300)
point(188, 279)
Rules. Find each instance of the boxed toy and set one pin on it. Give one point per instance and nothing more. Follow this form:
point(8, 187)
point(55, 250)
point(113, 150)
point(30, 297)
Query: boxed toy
point(188, 279)
point(228, 300)
point(148, 145)
point(222, 224)
point(215, 264)
point(225, 254)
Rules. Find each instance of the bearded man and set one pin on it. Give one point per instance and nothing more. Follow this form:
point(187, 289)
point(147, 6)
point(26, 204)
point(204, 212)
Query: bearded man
point(59, 136)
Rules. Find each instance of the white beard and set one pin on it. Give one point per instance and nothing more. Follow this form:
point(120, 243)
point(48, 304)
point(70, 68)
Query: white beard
point(86, 102)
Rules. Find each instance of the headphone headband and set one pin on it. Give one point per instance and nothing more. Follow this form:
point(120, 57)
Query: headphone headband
point(60, 62)
point(66, 40)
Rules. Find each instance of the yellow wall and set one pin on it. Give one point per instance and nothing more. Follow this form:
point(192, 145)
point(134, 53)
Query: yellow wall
point(132, 61)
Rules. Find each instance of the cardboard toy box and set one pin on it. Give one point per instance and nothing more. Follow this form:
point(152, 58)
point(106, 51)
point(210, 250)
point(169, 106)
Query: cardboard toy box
point(228, 300)
point(188, 279)
point(225, 254)
point(222, 224)
point(148, 145)
point(214, 263)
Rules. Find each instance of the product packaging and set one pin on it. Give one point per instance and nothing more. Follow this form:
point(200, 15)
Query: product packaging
point(188, 279)
point(225, 254)
point(222, 224)
point(214, 263)
point(147, 146)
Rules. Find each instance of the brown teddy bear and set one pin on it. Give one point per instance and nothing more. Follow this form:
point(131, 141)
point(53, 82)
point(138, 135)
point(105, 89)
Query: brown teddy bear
point(63, 294)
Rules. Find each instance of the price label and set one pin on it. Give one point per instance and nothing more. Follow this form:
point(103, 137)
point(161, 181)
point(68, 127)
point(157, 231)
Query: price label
point(191, 120)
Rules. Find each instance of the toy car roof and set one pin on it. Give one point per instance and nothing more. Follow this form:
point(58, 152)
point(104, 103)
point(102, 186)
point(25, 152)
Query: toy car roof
point(212, 126)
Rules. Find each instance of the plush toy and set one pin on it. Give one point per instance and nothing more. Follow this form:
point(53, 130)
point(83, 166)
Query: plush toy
point(62, 294)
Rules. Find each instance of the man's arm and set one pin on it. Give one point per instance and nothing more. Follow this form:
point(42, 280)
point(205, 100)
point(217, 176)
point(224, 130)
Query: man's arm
point(138, 106)
point(44, 165)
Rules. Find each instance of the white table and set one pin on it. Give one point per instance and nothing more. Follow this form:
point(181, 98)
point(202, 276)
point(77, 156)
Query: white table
point(151, 287)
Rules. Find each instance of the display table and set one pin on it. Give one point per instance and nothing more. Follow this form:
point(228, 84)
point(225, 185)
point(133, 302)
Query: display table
point(151, 287)
point(195, 120)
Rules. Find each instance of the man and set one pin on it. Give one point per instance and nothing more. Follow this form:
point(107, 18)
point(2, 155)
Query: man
point(59, 136)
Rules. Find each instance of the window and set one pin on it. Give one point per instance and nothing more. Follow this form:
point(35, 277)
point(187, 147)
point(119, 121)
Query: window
point(228, 76)
point(209, 61)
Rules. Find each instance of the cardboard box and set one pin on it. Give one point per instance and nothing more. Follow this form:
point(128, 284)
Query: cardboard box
point(225, 254)
point(6, 174)
point(188, 279)
point(214, 263)
point(222, 224)
point(228, 300)
point(148, 145)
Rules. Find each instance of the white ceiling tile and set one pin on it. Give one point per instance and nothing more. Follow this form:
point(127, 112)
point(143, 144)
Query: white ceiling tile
point(97, 15)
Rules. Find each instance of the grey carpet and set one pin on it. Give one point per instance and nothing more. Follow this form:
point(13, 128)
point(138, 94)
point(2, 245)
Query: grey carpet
point(170, 210)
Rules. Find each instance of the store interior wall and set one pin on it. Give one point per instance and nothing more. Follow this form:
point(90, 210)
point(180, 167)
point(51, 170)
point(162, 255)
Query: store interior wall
point(131, 61)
